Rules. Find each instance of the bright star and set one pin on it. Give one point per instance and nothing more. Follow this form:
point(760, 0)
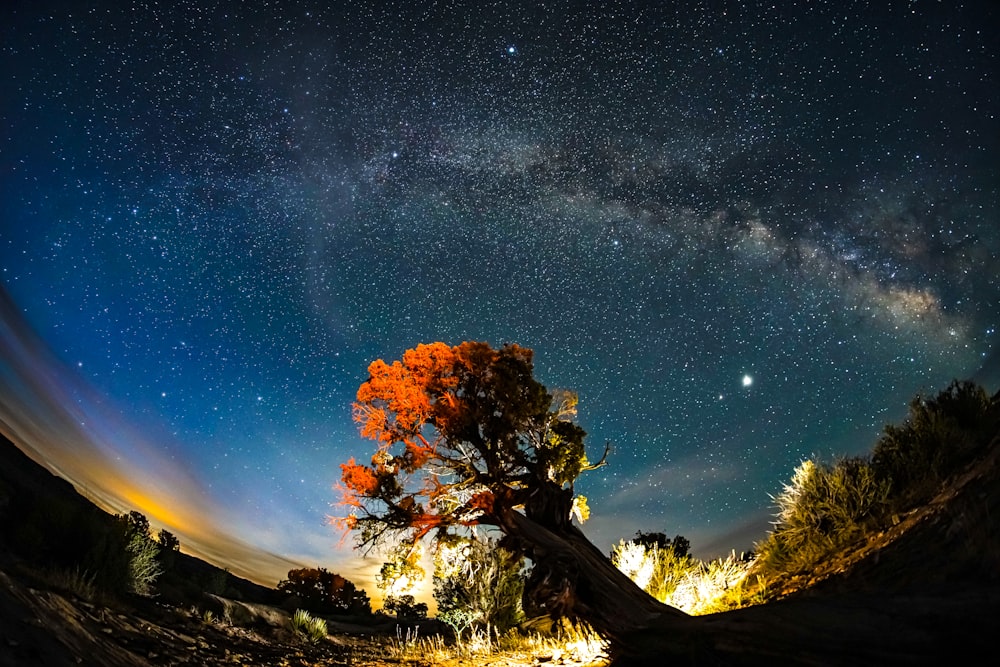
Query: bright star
point(747, 380)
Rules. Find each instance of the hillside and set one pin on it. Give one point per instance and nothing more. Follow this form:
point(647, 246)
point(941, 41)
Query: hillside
point(925, 591)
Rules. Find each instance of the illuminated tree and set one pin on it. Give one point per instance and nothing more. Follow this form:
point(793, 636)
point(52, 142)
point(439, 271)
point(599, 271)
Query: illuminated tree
point(466, 437)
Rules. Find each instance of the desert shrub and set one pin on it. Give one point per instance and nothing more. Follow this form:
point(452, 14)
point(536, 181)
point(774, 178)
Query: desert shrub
point(822, 508)
point(939, 436)
point(76, 581)
point(655, 565)
point(215, 581)
point(307, 627)
point(141, 552)
point(478, 584)
point(716, 585)
point(108, 559)
point(143, 566)
point(665, 570)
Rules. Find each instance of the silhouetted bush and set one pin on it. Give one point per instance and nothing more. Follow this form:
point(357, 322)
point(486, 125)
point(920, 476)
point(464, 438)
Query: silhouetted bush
point(405, 608)
point(323, 592)
point(939, 437)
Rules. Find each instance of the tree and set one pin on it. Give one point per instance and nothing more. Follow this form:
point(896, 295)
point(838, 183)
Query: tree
point(142, 552)
point(324, 592)
point(679, 546)
point(466, 436)
point(169, 546)
point(405, 607)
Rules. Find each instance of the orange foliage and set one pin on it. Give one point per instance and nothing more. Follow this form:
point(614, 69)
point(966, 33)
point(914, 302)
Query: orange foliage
point(425, 390)
point(359, 479)
point(417, 455)
point(482, 501)
point(424, 523)
point(398, 399)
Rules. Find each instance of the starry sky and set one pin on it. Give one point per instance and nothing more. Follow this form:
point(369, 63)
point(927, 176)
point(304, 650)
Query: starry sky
point(745, 233)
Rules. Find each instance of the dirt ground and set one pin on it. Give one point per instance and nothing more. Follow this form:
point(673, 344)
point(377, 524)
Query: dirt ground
point(42, 627)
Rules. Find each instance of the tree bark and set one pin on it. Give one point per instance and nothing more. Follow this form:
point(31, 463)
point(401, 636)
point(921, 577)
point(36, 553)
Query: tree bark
point(573, 579)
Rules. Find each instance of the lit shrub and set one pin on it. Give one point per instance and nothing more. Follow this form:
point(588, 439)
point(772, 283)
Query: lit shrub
point(307, 627)
point(822, 508)
point(655, 569)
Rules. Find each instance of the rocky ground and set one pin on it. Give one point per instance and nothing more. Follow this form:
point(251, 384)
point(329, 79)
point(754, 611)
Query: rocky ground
point(57, 629)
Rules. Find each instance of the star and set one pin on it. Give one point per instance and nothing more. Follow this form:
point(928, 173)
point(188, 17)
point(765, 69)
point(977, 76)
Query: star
point(659, 224)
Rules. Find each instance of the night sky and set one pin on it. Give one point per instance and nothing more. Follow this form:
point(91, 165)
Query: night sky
point(745, 233)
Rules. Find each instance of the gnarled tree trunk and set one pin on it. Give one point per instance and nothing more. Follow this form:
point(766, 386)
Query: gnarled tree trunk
point(573, 579)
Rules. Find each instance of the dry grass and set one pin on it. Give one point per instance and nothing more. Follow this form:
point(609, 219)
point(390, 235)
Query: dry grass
point(571, 646)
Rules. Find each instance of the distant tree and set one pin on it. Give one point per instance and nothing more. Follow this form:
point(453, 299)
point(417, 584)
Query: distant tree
point(322, 592)
point(405, 607)
point(169, 547)
point(466, 436)
point(168, 541)
point(679, 545)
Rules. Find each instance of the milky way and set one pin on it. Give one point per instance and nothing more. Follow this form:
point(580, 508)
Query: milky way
point(744, 235)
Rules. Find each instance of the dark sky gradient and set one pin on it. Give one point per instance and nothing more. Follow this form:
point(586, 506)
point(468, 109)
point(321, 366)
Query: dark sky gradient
point(744, 234)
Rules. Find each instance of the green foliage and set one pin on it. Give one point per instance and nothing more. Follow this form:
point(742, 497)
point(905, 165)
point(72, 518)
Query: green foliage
point(122, 555)
point(717, 585)
point(478, 584)
point(307, 627)
point(939, 436)
point(821, 509)
point(664, 569)
point(143, 566)
point(325, 592)
point(401, 572)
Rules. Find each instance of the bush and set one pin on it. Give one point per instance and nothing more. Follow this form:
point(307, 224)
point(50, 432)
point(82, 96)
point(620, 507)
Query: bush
point(939, 437)
point(309, 628)
point(655, 568)
point(820, 509)
point(320, 591)
point(665, 570)
point(478, 584)
point(405, 607)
